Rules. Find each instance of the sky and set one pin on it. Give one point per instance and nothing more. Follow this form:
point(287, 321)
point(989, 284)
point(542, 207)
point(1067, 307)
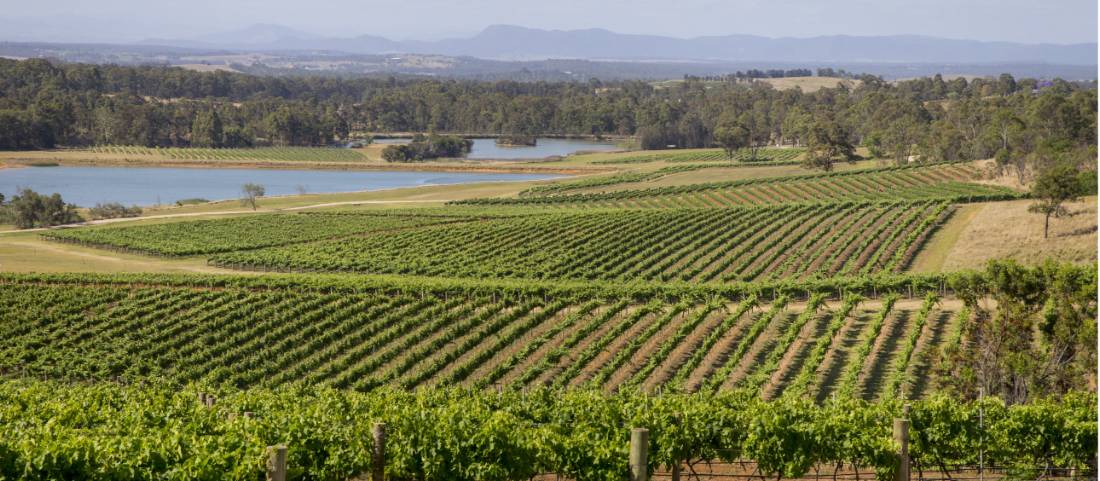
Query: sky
point(1026, 21)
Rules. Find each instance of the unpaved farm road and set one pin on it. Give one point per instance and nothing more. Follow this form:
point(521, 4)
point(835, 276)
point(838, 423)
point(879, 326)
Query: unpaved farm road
point(224, 212)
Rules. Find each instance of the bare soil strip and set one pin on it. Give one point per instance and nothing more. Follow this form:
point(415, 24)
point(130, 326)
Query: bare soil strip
point(721, 350)
point(796, 354)
point(500, 356)
point(885, 349)
point(593, 366)
point(832, 367)
point(641, 357)
point(762, 346)
point(687, 347)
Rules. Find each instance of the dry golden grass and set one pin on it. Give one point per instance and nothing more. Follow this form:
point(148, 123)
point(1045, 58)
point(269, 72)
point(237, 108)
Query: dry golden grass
point(1006, 230)
point(1005, 178)
point(809, 84)
point(429, 195)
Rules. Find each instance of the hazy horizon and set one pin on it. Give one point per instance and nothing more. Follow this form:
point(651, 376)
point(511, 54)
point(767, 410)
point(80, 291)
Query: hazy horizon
point(1058, 22)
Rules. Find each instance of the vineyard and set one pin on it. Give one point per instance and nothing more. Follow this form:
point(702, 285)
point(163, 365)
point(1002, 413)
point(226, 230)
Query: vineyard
point(603, 181)
point(675, 313)
point(697, 245)
point(239, 233)
point(770, 156)
point(283, 154)
point(796, 341)
point(107, 432)
point(762, 328)
point(944, 181)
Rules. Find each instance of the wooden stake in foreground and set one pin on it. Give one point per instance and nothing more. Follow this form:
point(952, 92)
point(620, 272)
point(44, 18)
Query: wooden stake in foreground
point(378, 453)
point(901, 436)
point(276, 463)
point(639, 449)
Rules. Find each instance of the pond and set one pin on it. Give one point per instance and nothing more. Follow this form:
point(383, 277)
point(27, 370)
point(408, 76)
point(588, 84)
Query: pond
point(488, 148)
point(86, 186)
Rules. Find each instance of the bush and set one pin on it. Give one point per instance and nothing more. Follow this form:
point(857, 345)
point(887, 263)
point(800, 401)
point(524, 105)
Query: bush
point(397, 153)
point(113, 210)
point(427, 148)
point(30, 209)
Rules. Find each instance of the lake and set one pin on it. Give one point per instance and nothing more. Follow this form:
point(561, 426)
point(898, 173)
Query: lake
point(86, 186)
point(488, 149)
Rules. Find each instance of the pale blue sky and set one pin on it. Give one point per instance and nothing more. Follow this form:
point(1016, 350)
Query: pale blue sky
point(1029, 21)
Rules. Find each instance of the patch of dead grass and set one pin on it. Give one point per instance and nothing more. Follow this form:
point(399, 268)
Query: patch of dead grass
point(1006, 230)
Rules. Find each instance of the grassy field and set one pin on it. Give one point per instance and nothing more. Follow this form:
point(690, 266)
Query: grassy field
point(368, 158)
point(435, 195)
point(28, 252)
point(946, 235)
point(983, 236)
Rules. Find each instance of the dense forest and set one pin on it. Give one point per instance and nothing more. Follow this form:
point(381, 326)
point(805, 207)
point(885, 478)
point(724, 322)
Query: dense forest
point(45, 104)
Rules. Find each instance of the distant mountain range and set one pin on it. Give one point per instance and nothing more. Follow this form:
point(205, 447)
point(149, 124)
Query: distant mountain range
point(507, 42)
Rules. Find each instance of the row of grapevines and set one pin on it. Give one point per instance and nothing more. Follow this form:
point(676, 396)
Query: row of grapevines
point(109, 432)
point(898, 374)
point(239, 233)
point(848, 383)
point(720, 245)
point(883, 183)
point(616, 179)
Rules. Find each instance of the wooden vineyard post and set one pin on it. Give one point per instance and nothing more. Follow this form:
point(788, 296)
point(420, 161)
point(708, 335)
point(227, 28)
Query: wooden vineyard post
point(639, 448)
point(901, 436)
point(676, 462)
point(378, 453)
point(276, 463)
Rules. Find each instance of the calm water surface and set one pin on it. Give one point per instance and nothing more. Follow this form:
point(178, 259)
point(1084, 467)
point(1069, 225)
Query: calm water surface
point(86, 186)
point(488, 149)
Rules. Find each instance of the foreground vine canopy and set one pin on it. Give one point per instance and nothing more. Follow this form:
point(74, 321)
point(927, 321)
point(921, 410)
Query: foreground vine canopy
point(111, 432)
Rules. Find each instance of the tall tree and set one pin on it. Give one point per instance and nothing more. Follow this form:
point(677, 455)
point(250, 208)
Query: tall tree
point(206, 130)
point(731, 139)
point(755, 122)
point(827, 141)
point(250, 192)
point(1054, 187)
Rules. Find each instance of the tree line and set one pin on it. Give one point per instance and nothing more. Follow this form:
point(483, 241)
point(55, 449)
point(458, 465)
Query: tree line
point(1021, 122)
point(756, 73)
